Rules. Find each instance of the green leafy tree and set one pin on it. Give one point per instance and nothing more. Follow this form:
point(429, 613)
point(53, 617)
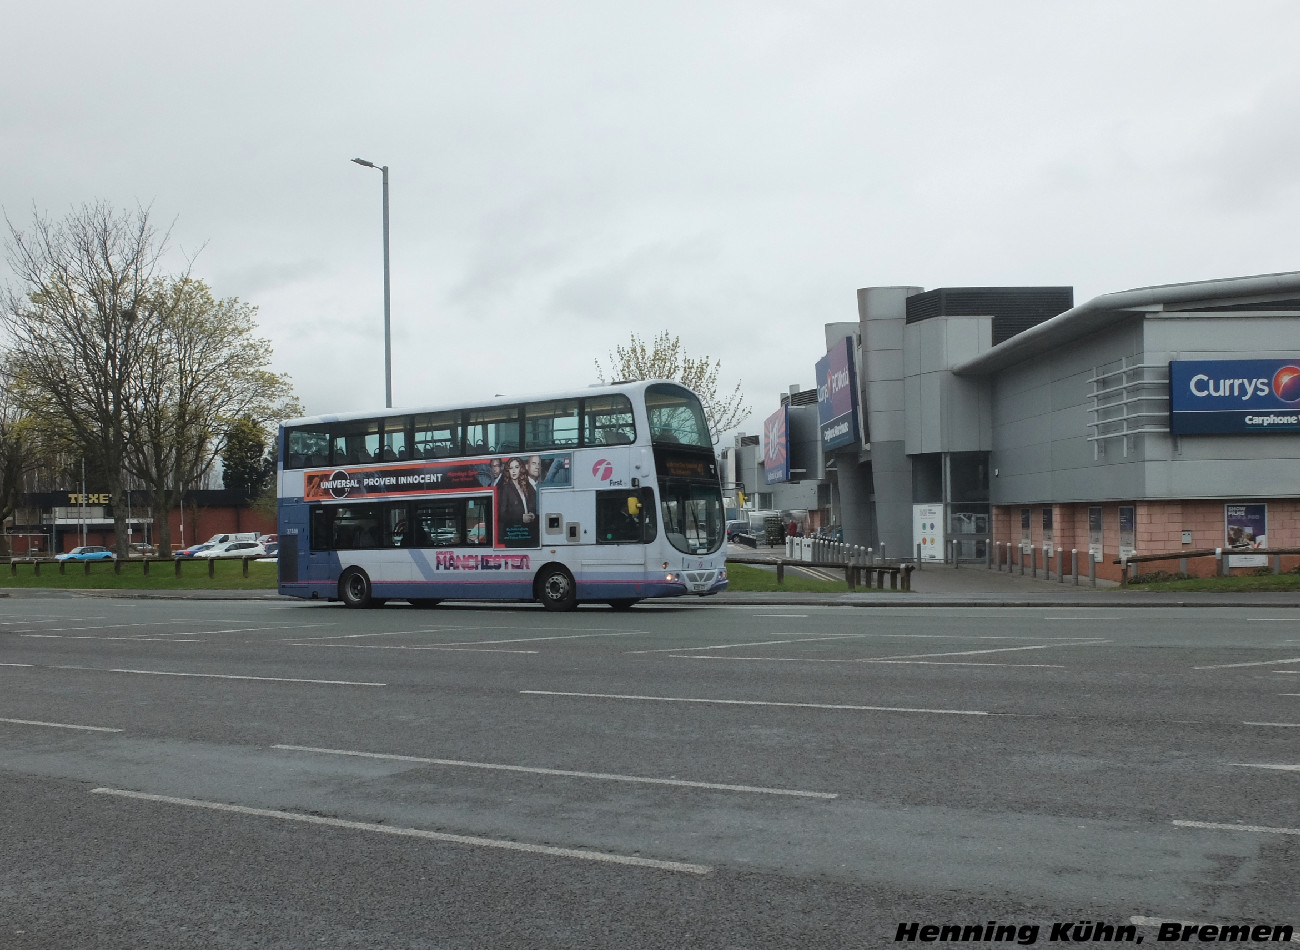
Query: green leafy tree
point(664, 358)
point(203, 371)
point(244, 459)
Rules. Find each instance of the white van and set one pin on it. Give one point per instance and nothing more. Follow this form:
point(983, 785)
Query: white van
point(227, 538)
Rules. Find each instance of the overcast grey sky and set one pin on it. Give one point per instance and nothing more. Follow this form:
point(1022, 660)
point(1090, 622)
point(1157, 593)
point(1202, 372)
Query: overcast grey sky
point(565, 173)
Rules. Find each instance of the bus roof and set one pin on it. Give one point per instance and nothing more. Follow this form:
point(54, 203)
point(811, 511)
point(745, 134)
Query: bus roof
point(632, 386)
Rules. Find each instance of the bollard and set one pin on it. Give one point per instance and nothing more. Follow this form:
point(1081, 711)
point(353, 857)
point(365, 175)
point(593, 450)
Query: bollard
point(1074, 564)
point(212, 567)
point(850, 577)
point(1060, 565)
point(956, 562)
point(907, 577)
point(37, 565)
point(86, 564)
point(1218, 562)
point(117, 566)
point(1277, 564)
point(146, 567)
point(63, 565)
point(1033, 561)
point(13, 567)
point(1092, 569)
point(245, 566)
point(780, 572)
point(988, 554)
point(1182, 565)
point(1123, 571)
point(918, 554)
point(178, 566)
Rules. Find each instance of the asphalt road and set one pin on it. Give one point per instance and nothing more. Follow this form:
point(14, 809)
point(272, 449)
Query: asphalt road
point(180, 774)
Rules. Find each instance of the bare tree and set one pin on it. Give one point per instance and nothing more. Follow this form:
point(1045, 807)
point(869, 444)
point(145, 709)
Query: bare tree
point(14, 453)
point(664, 359)
point(201, 369)
point(71, 323)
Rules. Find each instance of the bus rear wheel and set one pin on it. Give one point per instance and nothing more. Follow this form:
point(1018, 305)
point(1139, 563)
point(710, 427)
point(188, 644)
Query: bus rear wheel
point(556, 589)
point(354, 589)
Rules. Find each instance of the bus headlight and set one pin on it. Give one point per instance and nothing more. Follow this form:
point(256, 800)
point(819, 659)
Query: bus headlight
point(722, 574)
point(670, 577)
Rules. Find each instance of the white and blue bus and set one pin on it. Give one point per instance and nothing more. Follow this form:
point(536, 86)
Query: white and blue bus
point(608, 495)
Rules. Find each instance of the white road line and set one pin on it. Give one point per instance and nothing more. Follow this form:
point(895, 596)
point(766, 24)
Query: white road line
point(376, 646)
point(59, 725)
point(220, 676)
point(802, 659)
point(134, 639)
point(1262, 765)
point(1159, 921)
point(29, 665)
point(577, 854)
point(926, 656)
point(1282, 725)
point(1234, 666)
point(604, 776)
point(1216, 826)
point(791, 616)
point(755, 702)
point(757, 643)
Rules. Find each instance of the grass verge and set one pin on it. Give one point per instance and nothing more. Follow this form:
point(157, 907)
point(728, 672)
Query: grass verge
point(749, 579)
point(228, 575)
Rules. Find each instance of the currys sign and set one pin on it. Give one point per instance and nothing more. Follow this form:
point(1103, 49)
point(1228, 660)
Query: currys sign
point(837, 396)
point(1220, 396)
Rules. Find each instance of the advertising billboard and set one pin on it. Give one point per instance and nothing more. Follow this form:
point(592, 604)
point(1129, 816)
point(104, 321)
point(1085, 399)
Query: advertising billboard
point(776, 446)
point(837, 396)
point(1245, 528)
point(1224, 396)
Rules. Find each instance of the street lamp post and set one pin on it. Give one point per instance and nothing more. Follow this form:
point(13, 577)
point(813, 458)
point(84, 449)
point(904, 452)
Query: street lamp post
point(388, 336)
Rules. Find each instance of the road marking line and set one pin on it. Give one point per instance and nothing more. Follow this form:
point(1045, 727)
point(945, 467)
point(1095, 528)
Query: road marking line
point(30, 665)
point(755, 702)
point(758, 643)
point(1234, 666)
point(1283, 725)
point(600, 856)
point(220, 676)
point(801, 659)
point(377, 646)
point(1216, 826)
point(798, 616)
point(923, 656)
point(58, 725)
point(605, 776)
point(1262, 765)
point(135, 639)
point(1159, 921)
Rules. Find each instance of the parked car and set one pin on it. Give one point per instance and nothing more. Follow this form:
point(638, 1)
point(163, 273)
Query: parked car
point(192, 550)
point(233, 549)
point(87, 552)
point(736, 527)
point(141, 549)
point(272, 544)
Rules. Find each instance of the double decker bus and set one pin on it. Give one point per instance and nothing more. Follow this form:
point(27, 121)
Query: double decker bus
point(609, 494)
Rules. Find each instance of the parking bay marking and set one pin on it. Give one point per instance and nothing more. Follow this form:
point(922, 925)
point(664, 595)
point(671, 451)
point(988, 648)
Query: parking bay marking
point(755, 702)
point(566, 773)
point(59, 725)
point(1217, 826)
point(474, 841)
point(219, 676)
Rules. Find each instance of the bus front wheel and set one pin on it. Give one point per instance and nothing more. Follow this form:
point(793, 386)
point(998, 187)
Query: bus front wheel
point(556, 589)
point(354, 589)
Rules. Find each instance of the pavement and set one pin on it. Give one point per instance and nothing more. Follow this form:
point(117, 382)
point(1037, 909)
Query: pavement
point(933, 585)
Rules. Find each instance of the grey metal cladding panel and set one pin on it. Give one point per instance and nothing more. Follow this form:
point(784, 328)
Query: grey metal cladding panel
point(966, 419)
point(882, 365)
point(1241, 478)
point(875, 303)
point(882, 334)
point(931, 412)
point(912, 414)
point(1233, 337)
